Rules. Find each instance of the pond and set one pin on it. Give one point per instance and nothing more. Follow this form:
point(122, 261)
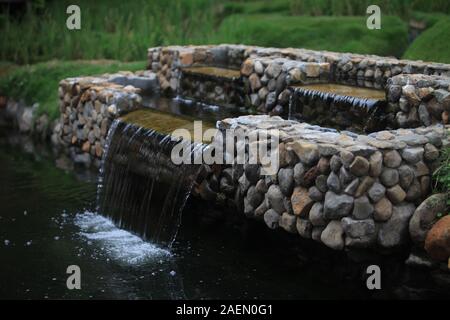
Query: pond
point(48, 221)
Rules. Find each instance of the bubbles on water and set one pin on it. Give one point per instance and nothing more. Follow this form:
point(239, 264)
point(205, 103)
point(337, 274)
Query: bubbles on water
point(173, 273)
point(56, 238)
point(7, 242)
point(28, 243)
point(25, 213)
point(118, 244)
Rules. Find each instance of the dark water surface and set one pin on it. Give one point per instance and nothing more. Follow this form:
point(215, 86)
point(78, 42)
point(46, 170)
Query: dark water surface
point(47, 222)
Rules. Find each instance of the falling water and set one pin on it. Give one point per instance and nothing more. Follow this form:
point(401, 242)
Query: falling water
point(140, 188)
point(325, 105)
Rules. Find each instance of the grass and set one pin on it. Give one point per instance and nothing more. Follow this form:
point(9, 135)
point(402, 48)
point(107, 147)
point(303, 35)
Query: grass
point(113, 29)
point(39, 82)
point(442, 175)
point(343, 34)
point(432, 44)
point(402, 8)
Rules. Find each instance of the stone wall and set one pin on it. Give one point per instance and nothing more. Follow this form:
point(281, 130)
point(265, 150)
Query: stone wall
point(341, 189)
point(88, 105)
point(268, 73)
point(418, 100)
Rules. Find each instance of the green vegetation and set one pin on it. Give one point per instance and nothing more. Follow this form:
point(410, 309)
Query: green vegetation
point(442, 174)
point(402, 8)
point(344, 34)
point(432, 44)
point(114, 29)
point(123, 30)
point(39, 82)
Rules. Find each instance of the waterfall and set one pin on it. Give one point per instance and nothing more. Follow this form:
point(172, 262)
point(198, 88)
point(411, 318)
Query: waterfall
point(140, 188)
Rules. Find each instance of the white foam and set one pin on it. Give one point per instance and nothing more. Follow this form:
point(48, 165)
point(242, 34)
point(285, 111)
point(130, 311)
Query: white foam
point(117, 243)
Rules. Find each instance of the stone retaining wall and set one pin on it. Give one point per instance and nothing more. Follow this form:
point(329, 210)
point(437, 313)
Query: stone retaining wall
point(418, 100)
point(268, 72)
point(341, 189)
point(88, 105)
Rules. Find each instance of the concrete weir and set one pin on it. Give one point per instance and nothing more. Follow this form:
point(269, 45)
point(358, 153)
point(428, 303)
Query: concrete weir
point(359, 137)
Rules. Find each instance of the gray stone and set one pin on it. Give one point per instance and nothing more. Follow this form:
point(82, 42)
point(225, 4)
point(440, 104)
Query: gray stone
point(252, 172)
point(259, 68)
point(315, 194)
point(299, 171)
point(346, 158)
point(321, 183)
point(383, 210)
point(352, 187)
point(412, 155)
point(392, 159)
point(337, 206)
point(271, 218)
point(359, 166)
point(288, 205)
point(431, 152)
point(359, 233)
point(316, 233)
point(333, 183)
point(414, 192)
point(327, 150)
point(286, 180)
point(406, 176)
point(288, 222)
point(316, 215)
point(333, 235)
point(426, 215)
point(275, 198)
point(420, 169)
point(389, 177)
point(304, 228)
point(394, 232)
point(362, 209)
point(335, 163)
point(271, 100)
point(345, 176)
point(244, 183)
point(273, 70)
point(376, 192)
point(424, 115)
point(248, 208)
point(254, 197)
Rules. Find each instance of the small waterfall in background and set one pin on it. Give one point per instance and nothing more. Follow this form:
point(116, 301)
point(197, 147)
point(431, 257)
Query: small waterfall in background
point(140, 188)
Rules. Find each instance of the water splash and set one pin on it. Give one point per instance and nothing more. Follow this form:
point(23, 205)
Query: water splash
point(140, 189)
point(118, 244)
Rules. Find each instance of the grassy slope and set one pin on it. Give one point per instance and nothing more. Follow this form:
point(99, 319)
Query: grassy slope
point(39, 82)
point(327, 33)
point(433, 44)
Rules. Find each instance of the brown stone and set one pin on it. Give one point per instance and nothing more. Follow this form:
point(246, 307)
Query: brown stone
point(445, 116)
point(301, 202)
point(247, 67)
point(365, 185)
point(255, 83)
point(396, 194)
point(86, 147)
point(98, 149)
point(437, 242)
point(383, 210)
point(359, 166)
point(310, 176)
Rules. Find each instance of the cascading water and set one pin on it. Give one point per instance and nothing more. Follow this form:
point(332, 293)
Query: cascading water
point(338, 106)
point(140, 188)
